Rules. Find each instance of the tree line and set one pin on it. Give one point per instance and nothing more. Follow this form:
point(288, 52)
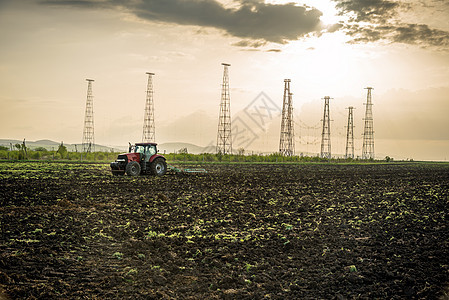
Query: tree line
point(21, 152)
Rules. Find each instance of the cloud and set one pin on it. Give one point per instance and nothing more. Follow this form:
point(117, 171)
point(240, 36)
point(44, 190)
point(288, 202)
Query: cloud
point(250, 43)
point(415, 34)
point(258, 23)
point(379, 20)
point(334, 27)
point(252, 19)
point(77, 3)
point(378, 11)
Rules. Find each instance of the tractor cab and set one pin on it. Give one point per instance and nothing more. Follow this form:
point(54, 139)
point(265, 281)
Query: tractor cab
point(146, 151)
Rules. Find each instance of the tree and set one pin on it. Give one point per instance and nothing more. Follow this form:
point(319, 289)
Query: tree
point(22, 150)
point(62, 150)
point(183, 151)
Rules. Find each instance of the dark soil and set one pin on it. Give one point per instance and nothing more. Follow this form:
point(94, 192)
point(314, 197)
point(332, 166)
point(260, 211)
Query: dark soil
point(240, 231)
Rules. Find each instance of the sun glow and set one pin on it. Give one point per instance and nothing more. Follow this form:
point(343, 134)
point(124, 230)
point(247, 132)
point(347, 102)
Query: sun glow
point(326, 62)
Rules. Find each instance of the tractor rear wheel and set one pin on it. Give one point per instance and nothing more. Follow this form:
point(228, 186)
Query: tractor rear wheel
point(133, 168)
point(159, 167)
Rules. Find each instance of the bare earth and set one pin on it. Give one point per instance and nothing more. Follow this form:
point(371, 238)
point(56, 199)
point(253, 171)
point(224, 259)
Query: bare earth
point(71, 231)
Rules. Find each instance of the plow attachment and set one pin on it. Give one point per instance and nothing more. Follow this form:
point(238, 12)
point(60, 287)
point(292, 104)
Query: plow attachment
point(178, 170)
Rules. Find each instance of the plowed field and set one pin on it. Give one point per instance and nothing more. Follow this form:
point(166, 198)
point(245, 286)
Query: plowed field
point(71, 231)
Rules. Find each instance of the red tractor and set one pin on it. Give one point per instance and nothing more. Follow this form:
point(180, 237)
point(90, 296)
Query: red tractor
point(141, 159)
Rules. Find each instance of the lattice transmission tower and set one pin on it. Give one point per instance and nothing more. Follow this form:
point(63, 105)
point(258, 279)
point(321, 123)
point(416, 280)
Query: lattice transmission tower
point(224, 137)
point(88, 132)
point(350, 134)
point(287, 140)
point(148, 119)
point(326, 133)
point(368, 132)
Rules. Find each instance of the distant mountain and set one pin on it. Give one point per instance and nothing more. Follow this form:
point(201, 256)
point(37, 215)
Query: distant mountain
point(175, 147)
point(8, 142)
point(52, 145)
point(46, 142)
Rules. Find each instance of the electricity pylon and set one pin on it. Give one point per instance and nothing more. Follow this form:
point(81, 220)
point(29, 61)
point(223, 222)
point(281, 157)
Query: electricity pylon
point(148, 119)
point(287, 140)
point(326, 133)
point(88, 132)
point(350, 134)
point(368, 132)
point(224, 137)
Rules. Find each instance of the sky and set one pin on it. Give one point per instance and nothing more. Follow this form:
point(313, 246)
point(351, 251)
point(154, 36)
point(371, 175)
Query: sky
point(333, 48)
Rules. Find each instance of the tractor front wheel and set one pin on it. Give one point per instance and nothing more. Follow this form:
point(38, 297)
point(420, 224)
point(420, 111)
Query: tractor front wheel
point(159, 167)
point(133, 168)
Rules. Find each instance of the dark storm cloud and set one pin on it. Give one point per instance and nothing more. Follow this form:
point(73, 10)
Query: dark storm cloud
point(253, 19)
point(378, 20)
